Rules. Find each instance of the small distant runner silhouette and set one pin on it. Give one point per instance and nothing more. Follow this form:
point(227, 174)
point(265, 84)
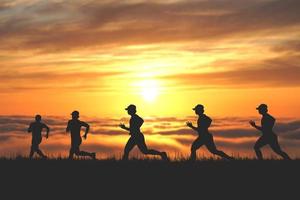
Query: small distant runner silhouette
point(205, 138)
point(74, 126)
point(268, 136)
point(36, 129)
point(137, 137)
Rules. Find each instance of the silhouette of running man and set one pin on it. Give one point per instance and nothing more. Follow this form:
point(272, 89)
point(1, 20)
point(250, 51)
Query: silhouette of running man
point(268, 136)
point(205, 138)
point(74, 126)
point(36, 129)
point(137, 137)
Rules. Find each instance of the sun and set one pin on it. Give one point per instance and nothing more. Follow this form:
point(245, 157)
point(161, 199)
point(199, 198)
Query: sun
point(149, 90)
point(149, 94)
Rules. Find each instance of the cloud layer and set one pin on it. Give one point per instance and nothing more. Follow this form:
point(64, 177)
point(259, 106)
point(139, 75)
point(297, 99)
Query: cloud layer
point(170, 134)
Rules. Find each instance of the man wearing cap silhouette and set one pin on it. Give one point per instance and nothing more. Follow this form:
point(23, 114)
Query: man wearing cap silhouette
point(137, 137)
point(36, 129)
point(268, 136)
point(74, 126)
point(205, 138)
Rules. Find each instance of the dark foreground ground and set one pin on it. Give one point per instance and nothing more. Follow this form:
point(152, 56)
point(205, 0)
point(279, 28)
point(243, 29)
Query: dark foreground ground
point(109, 179)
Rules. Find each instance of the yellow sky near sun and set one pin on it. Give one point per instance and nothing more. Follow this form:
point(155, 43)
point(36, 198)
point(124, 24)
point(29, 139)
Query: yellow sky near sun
point(53, 64)
point(141, 78)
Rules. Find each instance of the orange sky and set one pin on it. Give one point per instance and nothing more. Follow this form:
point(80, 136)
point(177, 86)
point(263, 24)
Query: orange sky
point(99, 56)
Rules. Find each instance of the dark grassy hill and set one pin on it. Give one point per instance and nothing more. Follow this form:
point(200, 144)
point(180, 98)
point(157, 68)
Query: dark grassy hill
point(150, 179)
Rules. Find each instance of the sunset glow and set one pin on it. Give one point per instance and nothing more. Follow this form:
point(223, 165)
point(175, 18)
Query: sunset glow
point(163, 56)
point(149, 90)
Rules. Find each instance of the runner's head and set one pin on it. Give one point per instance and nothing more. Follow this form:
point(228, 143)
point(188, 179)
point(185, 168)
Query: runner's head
point(199, 109)
point(262, 108)
point(131, 109)
point(75, 114)
point(38, 118)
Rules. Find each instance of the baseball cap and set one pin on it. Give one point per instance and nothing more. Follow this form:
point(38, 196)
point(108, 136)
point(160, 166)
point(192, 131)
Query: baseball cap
point(262, 106)
point(131, 107)
point(75, 113)
point(198, 107)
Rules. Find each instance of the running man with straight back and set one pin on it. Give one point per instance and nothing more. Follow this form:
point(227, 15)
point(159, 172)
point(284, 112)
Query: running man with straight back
point(268, 136)
point(74, 126)
point(36, 129)
point(205, 138)
point(137, 137)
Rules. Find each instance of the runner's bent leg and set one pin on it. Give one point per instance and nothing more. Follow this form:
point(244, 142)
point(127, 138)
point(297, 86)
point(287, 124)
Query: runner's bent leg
point(143, 147)
point(211, 146)
point(128, 147)
point(40, 153)
point(195, 146)
point(31, 152)
point(259, 144)
point(276, 148)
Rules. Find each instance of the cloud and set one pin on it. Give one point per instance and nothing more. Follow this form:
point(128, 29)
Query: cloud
point(291, 46)
point(55, 76)
point(280, 72)
point(3, 6)
point(14, 81)
point(286, 127)
point(87, 24)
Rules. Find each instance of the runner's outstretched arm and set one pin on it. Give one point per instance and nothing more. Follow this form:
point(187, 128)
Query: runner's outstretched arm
point(48, 131)
point(252, 123)
point(68, 128)
point(87, 129)
point(122, 126)
point(29, 130)
point(189, 124)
